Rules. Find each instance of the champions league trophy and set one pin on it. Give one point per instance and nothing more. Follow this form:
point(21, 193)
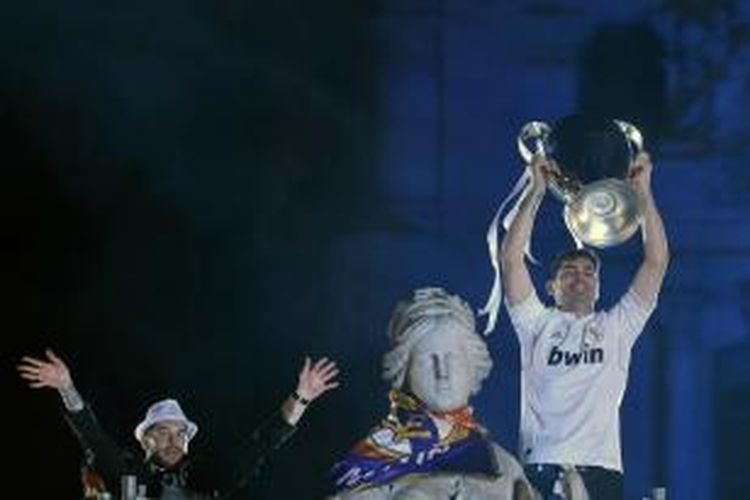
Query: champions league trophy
point(600, 208)
point(593, 156)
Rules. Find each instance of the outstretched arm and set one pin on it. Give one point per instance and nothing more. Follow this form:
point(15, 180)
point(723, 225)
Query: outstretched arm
point(315, 378)
point(52, 372)
point(649, 277)
point(517, 282)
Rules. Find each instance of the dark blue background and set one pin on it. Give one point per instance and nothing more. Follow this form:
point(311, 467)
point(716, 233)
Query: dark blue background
point(196, 194)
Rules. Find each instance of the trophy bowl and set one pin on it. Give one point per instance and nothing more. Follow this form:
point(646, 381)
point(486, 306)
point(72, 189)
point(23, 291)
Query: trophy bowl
point(603, 214)
point(593, 155)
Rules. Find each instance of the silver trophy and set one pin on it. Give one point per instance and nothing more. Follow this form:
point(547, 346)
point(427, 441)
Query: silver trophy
point(593, 155)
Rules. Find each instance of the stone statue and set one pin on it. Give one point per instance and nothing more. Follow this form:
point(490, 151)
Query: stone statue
point(430, 446)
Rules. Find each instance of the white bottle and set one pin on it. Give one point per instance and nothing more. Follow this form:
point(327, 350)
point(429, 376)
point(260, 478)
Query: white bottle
point(128, 487)
point(141, 492)
point(659, 493)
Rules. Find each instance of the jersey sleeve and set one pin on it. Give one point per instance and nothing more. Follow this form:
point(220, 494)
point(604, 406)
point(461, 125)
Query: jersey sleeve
point(628, 318)
point(527, 318)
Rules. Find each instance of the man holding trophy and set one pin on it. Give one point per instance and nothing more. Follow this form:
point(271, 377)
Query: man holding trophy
point(574, 358)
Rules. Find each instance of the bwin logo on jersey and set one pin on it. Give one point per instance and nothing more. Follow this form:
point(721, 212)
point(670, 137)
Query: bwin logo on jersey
point(568, 358)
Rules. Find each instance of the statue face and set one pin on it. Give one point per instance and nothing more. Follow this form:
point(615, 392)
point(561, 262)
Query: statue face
point(439, 370)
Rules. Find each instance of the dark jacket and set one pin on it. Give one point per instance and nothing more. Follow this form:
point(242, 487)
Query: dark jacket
point(111, 461)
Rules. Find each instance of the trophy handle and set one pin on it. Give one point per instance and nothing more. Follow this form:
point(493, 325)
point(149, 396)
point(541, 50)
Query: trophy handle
point(536, 132)
point(632, 134)
point(534, 135)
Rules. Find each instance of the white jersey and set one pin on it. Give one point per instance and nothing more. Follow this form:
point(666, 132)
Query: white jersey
point(573, 377)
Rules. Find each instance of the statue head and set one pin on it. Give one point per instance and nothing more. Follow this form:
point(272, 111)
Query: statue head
point(436, 354)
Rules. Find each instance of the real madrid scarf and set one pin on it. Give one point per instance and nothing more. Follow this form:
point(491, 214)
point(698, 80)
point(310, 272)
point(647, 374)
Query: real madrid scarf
point(408, 441)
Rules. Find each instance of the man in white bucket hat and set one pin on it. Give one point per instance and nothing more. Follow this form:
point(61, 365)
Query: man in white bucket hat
point(165, 432)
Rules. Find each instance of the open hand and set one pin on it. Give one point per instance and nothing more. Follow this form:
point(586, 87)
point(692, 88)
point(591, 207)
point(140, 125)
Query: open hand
point(52, 372)
point(317, 378)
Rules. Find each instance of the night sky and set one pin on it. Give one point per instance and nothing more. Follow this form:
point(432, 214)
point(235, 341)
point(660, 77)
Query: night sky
point(172, 175)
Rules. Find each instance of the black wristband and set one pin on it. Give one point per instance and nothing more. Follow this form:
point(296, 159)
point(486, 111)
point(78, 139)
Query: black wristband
point(300, 399)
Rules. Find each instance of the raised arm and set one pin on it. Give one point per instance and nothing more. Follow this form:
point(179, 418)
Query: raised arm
point(649, 276)
point(517, 282)
point(315, 378)
point(52, 372)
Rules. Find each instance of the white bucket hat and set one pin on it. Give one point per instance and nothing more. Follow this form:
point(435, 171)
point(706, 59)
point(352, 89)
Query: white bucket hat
point(161, 411)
